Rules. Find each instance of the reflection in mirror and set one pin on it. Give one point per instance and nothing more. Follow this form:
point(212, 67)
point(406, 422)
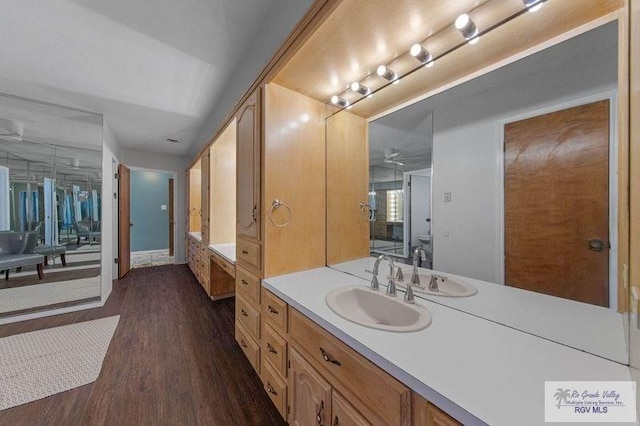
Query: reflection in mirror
point(50, 198)
point(523, 193)
point(400, 184)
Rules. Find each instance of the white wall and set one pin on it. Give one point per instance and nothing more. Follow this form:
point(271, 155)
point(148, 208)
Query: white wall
point(166, 163)
point(109, 236)
point(466, 145)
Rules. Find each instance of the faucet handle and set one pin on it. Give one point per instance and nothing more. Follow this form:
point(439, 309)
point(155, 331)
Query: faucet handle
point(399, 274)
point(408, 295)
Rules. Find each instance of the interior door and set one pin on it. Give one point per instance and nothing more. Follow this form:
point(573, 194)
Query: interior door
point(172, 220)
point(556, 189)
point(124, 220)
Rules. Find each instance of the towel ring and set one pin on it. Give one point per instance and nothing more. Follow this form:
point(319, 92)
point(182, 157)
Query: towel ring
point(276, 204)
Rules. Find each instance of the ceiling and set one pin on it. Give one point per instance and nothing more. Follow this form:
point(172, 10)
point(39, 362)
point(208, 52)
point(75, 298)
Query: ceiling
point(154, 68)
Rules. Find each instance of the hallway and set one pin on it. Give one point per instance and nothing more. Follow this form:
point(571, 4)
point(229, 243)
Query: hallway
point(173, 360)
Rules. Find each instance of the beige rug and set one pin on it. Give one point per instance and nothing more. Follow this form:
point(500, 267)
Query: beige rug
point(45, 362)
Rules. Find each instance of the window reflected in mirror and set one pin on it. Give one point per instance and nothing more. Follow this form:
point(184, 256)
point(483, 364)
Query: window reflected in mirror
point(50, 198)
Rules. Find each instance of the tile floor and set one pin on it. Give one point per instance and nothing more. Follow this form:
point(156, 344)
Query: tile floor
point(142, 259)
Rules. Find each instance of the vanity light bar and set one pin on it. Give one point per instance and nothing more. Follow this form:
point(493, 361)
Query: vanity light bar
point(360, 88)
point(420, 53)
point(338, 101)
point(533, 5)
point(467, 28)
point(386, 73)
point(463, 23)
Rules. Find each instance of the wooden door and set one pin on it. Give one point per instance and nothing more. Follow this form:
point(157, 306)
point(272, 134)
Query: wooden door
point(344, 414)
point(124, 220)
point(172, 221)
point(310, 394)
point(248, 168)
point(557, 203)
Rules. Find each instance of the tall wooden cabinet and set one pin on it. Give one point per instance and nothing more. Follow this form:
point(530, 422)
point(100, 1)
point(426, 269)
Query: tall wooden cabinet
point(249, 136)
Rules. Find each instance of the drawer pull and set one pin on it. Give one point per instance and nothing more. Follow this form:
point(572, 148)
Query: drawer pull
point(244, 313)
point(271, 389)
point(270, 349)
point(328, 358)
point(242, 343)
point(245, 252)
point(336, 422)
point(320, 415)
point(271, 310)
point(244, 282)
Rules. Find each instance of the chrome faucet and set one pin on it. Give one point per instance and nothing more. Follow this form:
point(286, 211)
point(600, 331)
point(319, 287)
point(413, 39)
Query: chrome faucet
point(419, 252)
point(391, 288)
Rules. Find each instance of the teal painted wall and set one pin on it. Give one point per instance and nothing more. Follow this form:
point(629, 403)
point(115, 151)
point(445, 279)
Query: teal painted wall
point(149, 191)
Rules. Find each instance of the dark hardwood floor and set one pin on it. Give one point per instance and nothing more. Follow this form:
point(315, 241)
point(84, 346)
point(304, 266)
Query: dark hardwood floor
point(173, 361)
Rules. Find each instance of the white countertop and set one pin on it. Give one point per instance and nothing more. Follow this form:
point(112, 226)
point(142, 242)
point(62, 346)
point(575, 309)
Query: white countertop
point(590, 328)
point(476, 370)
point(227, 251)
point(196, 235)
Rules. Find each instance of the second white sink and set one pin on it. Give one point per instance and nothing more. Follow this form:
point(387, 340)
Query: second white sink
point(374, 309)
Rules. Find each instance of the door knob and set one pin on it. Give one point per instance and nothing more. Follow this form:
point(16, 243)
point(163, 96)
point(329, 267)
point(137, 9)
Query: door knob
point(130, 225)
point(596, 245)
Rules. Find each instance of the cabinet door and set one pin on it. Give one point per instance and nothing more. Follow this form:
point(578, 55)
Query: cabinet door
point(204, 200)
point(248, 168)
point(309, 394)
point(344, 414)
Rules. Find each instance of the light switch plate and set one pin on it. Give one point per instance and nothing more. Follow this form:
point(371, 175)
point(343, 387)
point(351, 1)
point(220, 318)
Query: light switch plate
point(447, 197)
point(163, 207)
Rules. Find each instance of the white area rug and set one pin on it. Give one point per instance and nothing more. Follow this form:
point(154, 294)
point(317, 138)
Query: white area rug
point(20, 298)
point(45, 362)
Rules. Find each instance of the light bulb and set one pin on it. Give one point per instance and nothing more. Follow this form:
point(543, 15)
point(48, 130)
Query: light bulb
point(386, 73)
point(466, 26)
point(360, 88)
point(420, 53)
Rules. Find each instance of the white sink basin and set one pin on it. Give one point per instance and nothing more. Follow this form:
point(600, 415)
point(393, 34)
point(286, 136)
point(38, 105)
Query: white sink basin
point(449, 287)
point(374, 309)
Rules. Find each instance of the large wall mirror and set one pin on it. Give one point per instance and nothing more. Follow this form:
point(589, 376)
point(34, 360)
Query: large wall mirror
point(50, 199)
point(507, 182)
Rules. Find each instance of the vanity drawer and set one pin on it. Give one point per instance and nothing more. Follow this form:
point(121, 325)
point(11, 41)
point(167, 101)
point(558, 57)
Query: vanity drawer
point(248, 346)
point(377, 395)
point(249, 252)
point(274, 349)
point(274, 311)
point(276, 389)
point(248, 317)
point(226, 266)
point(248, 285)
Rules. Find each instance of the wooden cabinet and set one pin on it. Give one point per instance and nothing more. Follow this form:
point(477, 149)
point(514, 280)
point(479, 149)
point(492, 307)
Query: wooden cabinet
point(221, 277)
point(248, 321)
point(345, 414)
point(274, 345)
point(204, 199)
point(377, 395)
point(310, 394)
point(249, 137)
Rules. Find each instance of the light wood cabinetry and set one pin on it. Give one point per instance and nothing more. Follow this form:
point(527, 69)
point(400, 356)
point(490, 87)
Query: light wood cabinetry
point(248, 324)
point(344, 414)
point(204, 199)
point(249, 136)
point(221, 277)
point(198, 261)
point(426, 414)
point(195, 198)
point(275, 348)
point(310, 400)
point(380, 398)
